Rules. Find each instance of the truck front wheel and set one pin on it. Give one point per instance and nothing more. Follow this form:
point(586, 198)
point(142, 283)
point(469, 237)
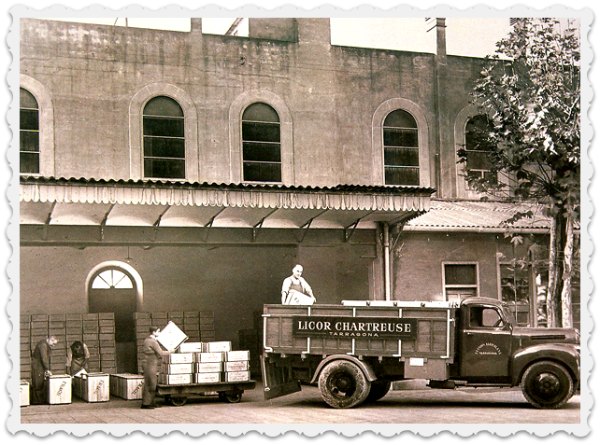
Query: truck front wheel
point(343, 384)
point(547, 385)
point(379, 388)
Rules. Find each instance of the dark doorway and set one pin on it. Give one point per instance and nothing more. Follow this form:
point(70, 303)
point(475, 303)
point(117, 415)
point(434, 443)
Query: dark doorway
point(114, 291)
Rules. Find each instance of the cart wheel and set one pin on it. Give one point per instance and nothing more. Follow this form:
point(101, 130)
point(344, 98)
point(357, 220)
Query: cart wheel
point(233, 396)
point(178, 401)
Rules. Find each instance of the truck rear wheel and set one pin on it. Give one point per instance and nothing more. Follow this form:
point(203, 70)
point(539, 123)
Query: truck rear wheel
point(343, 384)
point(379, 388)
point(547, 385)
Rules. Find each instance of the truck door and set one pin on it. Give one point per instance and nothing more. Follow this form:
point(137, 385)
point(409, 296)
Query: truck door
point(278, 378)
point(485, 342)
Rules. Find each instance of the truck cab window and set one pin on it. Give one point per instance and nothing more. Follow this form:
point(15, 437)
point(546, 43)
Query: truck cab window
point(484, 317)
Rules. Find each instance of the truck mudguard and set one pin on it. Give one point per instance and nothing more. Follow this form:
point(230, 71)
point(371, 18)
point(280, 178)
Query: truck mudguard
point(365, 367)
point(563, 353)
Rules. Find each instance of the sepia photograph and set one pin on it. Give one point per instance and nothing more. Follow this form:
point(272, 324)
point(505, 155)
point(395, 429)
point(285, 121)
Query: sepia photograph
point(310, 220)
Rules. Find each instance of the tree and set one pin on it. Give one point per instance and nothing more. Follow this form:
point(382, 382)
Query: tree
point(530, 92)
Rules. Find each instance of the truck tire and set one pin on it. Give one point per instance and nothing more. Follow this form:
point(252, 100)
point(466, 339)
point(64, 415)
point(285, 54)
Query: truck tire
point(547, 384)
point(343, 384)
point(379, 388)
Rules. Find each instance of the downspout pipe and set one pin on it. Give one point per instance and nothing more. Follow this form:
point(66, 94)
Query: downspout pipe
point(386, 262)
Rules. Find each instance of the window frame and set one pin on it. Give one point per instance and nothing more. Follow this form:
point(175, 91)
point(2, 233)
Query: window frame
point(416, 148)
point(35, 131)
point(244, 142)
point(446, 287)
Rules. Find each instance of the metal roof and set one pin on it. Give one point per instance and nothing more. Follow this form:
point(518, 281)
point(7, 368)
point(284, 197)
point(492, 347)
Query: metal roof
point(480, 216)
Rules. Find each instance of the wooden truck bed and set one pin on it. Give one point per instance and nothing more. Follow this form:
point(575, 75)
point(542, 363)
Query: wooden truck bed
point(337, 329)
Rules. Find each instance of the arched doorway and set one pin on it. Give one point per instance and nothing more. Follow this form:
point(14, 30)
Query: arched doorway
point(114, 287)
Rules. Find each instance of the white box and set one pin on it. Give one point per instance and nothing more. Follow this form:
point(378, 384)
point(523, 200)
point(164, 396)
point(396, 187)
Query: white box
point(131, 386)
point(24, 393)
point(209, 367)
point(171, 336)
point(237, 366)
point(208, 377)
point(175, 379)
point(237, 376)
point(209, 357)
point(177, 368)
point(59, 389)
point(216, 346)
point(92, 387)
point(237, 356)
point(191, 346)
point(177, 357)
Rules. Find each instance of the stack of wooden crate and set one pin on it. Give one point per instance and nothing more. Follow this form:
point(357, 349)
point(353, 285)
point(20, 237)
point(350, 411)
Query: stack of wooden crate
point(191, 325)
point(177, 368)
point(206, 323)
point(97, 331)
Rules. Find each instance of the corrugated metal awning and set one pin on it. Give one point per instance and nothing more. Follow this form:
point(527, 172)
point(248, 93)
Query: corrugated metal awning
point(73, 201)
point(480, 216)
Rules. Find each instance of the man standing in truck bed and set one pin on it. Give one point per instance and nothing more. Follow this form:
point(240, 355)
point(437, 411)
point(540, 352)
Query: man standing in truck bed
point(295, 289)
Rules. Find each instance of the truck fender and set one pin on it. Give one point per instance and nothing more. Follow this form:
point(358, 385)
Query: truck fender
point(365, 367)
point(563, 353)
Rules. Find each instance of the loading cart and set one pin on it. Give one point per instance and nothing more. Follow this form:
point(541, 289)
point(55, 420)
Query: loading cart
point(230, 392)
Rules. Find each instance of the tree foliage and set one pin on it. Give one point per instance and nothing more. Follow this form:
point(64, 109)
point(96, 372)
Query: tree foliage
point(530, 91)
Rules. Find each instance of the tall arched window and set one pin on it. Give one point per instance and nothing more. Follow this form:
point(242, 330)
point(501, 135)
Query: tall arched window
point(29, 141)
point(164, 139)
point(261, 144)
point(477, 147)
point(401, 149)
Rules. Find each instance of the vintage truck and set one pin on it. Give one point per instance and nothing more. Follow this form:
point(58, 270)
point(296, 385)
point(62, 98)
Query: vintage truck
point(354, 350)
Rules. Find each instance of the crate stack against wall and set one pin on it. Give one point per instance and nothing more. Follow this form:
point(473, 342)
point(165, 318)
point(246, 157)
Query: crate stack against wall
point(142, 321)
point(207, 325)
point(251, 340)
point(97, 331)
point(191, 325)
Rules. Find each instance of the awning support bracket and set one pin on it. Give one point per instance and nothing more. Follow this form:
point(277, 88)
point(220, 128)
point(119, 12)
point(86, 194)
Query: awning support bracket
point(349, 229)
point(156, 224)
point(210, 222)
point(256, 228)
point(103, 222)
point(47, 222)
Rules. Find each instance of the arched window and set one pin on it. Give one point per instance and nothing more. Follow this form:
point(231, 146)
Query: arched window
point(164, 139)
point(112, 279)
point(29, 141)
point(477, 147)
point(401, 149)
point(261, 144)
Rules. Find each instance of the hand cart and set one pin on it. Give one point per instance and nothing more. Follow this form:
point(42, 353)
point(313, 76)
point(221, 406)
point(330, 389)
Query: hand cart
point(177, 394)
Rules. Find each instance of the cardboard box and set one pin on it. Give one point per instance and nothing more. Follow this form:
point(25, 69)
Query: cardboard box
point(59, 389)
point(175, 379)
point(237, 376)
point(24, 393)
point(216, 346)
point(179, 357)
point(92, 387)
point(177, 368)
point(190, 347)
point(171, 336)
point(237, 366)
point(208, 377)
point(237, 356)
point(209, 367)
point(209, 357)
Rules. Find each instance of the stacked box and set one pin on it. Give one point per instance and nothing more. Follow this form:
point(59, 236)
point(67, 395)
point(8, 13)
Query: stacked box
point(92, 387)
point(24, 393)
point(59, 389)
point(25, 346)
point(176, 317)
point(127, 386)
point(160, 319)
point(237, 366)
point(106, 342)
point(206, 321)
point(249, 340)
point(216, 346)
point(177, 368)
point(190, 346)
point(58, 359)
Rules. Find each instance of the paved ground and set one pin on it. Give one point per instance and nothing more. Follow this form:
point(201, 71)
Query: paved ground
point(413, 406)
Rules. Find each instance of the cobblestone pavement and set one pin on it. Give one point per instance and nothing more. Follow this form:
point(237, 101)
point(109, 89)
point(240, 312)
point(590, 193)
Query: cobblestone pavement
point(412, 406)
